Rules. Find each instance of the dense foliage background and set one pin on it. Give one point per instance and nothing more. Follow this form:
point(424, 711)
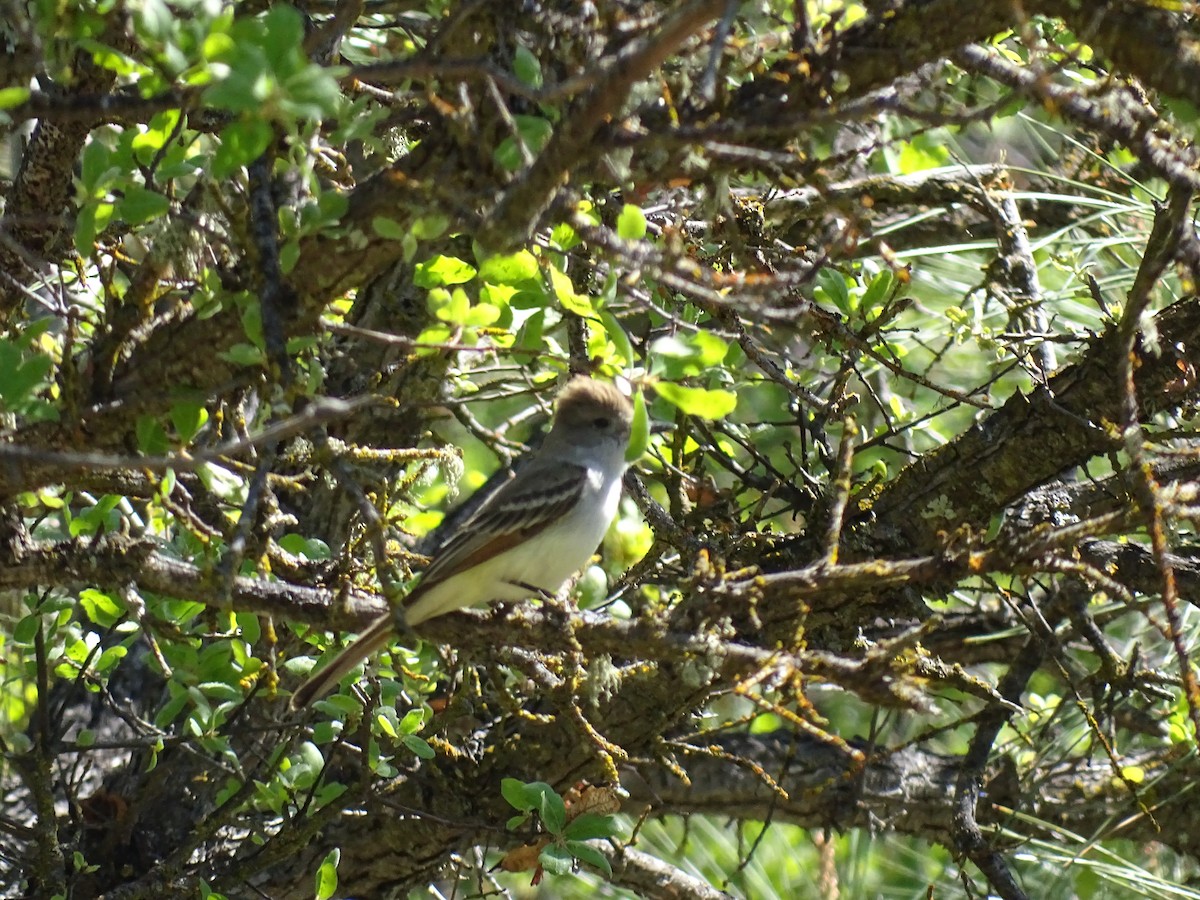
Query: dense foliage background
point(902, 602)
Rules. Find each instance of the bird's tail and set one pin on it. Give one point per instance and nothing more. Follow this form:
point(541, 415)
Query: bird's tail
point(320, 683)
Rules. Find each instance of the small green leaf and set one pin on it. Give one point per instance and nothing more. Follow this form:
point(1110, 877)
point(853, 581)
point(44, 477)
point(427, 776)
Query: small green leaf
point(552, 811)
point(590, 826)
point(631, 223)
point(93, 218)
point(13, 96)
point(109, 658)
point(564, 291)
point(327, 878)
point(413, 721)
point(876, 293)
point(529, 339)
point(590, 855)
point(156, 135)
point(95, 168)
point(243, 355)
point(248, 627)
point(385, 723)
point(639, 435)
point(306, 548)
point(100, 607)
point(612, 327)
point(242, 142)
point(151, 436)
point(442, 270)
point(188, 417)
point(221, 481)
point(27, 628)
point(832, 286)
point(564, 236)
point(289, 255)
point(518, 794)
point(512, 269)
point(21, 374)
point(535, 134)
point(389, 228)
point(556, 860)
point(139, 205)
point(419, 746)
point(701, 402)
point(1133, 774)
point(526, 67)
point(430, 226)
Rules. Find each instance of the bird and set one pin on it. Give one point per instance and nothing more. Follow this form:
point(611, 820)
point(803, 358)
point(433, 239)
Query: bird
point(527, 538)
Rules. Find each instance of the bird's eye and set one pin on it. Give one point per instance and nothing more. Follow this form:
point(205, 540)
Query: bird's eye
point(600, 421)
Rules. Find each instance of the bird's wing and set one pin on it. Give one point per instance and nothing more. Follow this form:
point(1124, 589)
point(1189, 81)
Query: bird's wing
point(536, 496)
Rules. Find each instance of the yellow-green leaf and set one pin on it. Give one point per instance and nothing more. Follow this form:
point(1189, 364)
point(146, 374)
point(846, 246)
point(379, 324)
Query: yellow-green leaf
point(564, 290)
point(701, 402)
point(631, 223)
point(639, 436)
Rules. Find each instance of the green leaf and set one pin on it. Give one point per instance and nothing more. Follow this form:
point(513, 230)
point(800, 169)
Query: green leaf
point(682, 355)
point(221, 481)
point(385, 722)
point(639, 435)
point(413, 721)
point(151, 436)
point(701, 402)
point(242, 142)
point(590, 826)
point(430, 226)
point(443, 270)
point(876, 293)
point(590, 855)
point(535, 133)
point(307, 548)
point(243, 355)
point(289, 255)
point(556, 859)
point(418, 746)
point(564, 236)
point(832, 286)
point(389, 228)
point(139, 205)
point(21, 374)
point(616, 334)
point(248, 627)
point(512, 269)
point(93, 218)
point(552, 811)
point(13, 96)
point(526, 67)
point(518, 794)
point(27, 628)
point(109, 658)
point(564, 291)
point(95, 168)
point(327, 878)
point(188, 417)
point(529, 339)
point(146, 143)
point(631, 223)
point(100, 607)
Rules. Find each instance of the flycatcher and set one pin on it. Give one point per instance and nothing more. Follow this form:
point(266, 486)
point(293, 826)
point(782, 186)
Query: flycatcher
point(529, 537)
